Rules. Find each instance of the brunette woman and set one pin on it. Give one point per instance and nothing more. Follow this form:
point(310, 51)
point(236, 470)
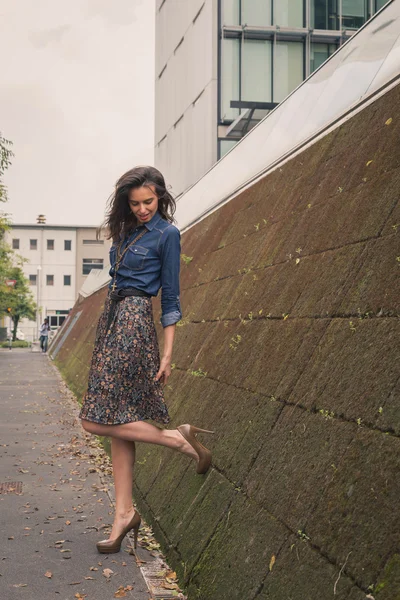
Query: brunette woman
point(126, 378)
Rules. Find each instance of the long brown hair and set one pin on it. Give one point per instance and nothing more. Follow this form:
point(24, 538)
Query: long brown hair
point(120, 220)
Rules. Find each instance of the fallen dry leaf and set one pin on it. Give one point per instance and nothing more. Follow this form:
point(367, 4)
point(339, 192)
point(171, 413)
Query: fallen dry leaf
point(107, 573)
point(388, 121)
point(120, 593)
point(272, 562)
point(169, 586)
point(80, 596)
point(91, 578)
point(68, 522)
point(48, 574)
point(20, 585)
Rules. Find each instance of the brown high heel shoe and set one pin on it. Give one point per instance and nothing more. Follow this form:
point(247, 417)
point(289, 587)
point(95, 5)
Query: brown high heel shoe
point(189, 433)
point(112, 546)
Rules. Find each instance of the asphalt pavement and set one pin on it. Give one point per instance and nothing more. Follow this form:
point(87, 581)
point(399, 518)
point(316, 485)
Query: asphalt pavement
point(55, 495)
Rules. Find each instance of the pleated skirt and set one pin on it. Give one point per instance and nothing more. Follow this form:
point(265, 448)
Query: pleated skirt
point(121, 387)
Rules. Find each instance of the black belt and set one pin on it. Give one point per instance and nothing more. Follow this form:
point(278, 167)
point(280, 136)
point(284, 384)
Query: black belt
point(119, 295)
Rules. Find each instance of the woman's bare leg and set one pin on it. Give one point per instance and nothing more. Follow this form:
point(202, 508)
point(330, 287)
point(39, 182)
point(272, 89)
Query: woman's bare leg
point(141, 431)
point(123, 460)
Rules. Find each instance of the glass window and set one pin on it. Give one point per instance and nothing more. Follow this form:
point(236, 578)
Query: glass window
point(92, 242)
point(288, 68)
point(319, 54)
point(354, 13)
point(15, 244)
point(67, 279)
point(49, 279)
point(67, 245)
point(256, 13)
point(57, 320)
point(91, 263)
point(33, 244)
point(225, 146)
point(32, 279)
point(289, 13)
point(230, 49)
point(50, 244)
point(325, 14)
point(230, 12)
point(380, 3)
point(256, 71)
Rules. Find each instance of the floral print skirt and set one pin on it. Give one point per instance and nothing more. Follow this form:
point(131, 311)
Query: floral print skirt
point(125, 361)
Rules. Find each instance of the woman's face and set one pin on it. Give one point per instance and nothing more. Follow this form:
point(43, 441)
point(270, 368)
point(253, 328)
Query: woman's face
point(143, 202)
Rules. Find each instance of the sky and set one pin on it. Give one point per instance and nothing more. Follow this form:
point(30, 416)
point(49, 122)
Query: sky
point(76, 100)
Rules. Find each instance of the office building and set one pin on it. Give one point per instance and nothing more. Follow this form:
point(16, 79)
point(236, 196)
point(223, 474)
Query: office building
point(222, 65)
point(59, 259)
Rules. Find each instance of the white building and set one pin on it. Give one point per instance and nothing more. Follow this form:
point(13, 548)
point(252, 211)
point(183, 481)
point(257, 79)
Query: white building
point(222, 65)
point(59, 258)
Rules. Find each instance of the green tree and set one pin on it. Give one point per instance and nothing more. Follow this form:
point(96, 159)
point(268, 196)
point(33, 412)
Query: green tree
point(6, 155)
point(19, 300)
point(6, 253)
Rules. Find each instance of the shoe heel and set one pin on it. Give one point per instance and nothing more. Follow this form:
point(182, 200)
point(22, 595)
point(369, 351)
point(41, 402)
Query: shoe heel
point(198, 430)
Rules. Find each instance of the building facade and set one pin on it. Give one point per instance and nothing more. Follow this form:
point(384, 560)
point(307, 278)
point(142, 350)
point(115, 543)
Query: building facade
point(58, 260)
point(222, 65)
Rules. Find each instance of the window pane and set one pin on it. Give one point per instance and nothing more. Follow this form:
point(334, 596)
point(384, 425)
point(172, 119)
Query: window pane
point(354, 13)
point(325, 14)
point(289, 13)
point(319, 54)
point(33, 244)
point(50, 244)
point(92, 242)
point(15, 244)
point(288, 68)
point(256, 13)
point(380, 3)
point(32, 279)
point(53, 321)
point(256, 71)
point(91, 263)
point(49, 279)
point(225, 146)
point(67, 244)
point(230, 77)
point(230, 12)
point(67, 279)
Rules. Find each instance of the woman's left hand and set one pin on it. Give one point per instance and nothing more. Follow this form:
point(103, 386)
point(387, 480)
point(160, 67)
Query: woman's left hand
point(164, 371)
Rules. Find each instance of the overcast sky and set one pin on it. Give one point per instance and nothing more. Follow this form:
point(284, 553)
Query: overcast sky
point(76, 99)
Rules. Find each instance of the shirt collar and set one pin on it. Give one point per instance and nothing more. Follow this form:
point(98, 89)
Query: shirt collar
point(153, 221)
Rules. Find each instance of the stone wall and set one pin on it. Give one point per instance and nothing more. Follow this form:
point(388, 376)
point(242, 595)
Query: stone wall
point(289, 350)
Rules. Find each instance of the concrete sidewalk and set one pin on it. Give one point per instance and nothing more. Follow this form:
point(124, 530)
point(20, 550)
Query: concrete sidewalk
point(54, 504)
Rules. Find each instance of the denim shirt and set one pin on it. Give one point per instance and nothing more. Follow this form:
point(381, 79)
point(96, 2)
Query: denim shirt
point(153, 262)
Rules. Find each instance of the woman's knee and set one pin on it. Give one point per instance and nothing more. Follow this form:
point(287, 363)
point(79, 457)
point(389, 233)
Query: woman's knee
point(88, 426)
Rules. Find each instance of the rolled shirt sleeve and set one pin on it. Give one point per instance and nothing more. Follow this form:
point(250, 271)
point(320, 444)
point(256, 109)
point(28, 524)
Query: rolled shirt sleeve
point(170, 251)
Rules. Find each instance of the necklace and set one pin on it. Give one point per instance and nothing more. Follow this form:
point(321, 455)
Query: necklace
point(120, 255)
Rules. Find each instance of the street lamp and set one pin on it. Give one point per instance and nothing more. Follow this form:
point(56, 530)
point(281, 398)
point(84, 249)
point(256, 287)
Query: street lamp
point(38, 298)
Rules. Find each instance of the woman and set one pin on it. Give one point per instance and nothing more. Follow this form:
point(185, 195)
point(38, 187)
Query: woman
point(126, 378)
point(44, 334)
